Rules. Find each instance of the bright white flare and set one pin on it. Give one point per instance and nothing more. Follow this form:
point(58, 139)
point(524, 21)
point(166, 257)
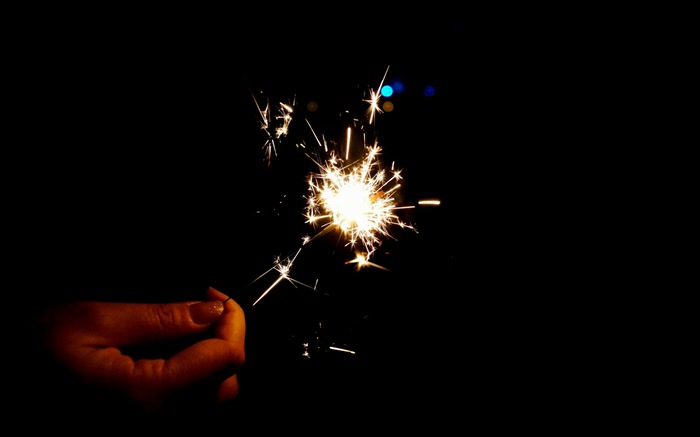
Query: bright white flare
point(358, 199)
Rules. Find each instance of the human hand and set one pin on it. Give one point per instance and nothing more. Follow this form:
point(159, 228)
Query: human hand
point(94, 340)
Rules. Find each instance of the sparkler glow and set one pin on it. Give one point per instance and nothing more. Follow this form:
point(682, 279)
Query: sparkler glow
point(352, 198)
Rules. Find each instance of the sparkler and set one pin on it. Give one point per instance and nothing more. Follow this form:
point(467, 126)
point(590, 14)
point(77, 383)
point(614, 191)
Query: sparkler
point(354, 197)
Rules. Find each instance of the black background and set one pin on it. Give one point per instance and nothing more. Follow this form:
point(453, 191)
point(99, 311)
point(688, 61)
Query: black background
point(144, 178)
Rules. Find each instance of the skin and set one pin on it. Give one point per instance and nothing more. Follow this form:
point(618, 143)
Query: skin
point(93, 341)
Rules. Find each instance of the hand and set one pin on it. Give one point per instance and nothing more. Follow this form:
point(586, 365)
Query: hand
point(97, 343)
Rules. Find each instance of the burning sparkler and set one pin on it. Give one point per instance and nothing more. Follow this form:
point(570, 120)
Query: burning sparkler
point(354, 197)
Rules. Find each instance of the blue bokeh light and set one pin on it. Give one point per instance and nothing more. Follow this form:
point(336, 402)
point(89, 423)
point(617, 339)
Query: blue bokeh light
point(398, 86)
point(387, 91)
point(429, 91)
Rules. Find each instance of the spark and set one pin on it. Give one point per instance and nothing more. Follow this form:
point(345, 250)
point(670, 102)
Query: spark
point(318, 140)
point(340, 349)
point(362, 261)
point(432, 202)
point(347, 146)
point(281, 128)
point(283, 267)
point(373, 101)
point(285, 114)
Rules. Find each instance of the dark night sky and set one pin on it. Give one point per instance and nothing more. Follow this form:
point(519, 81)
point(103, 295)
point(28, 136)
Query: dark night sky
point(148, 174)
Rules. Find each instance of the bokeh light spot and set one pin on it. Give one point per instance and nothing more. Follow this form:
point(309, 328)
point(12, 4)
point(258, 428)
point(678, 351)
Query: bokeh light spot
point(429, 91)
point(387, 106)
point(398, 86)
point(387, 91)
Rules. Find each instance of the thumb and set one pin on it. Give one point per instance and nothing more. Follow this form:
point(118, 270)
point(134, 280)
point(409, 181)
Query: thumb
point(123, 324)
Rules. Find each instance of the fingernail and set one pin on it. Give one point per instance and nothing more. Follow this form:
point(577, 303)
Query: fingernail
point(204, 313)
